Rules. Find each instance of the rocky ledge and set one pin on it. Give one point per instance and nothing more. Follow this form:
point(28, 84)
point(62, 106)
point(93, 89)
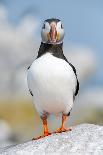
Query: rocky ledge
point(84, 139)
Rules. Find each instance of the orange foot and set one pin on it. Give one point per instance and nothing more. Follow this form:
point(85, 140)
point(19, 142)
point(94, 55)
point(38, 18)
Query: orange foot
point(44, 135)
point(62, 130)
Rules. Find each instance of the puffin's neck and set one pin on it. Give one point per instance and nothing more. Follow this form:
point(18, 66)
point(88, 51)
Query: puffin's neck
point(56, 49)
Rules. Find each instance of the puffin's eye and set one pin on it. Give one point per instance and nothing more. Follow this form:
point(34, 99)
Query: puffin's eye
point(61, 26)
point(43, 26)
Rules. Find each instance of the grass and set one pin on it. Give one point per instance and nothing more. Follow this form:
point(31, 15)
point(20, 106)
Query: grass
point(21, 116)
point(25, 121)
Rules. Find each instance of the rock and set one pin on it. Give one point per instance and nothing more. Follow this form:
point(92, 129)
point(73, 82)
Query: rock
point(5, 131)
point(84, 139)
point(6, 135)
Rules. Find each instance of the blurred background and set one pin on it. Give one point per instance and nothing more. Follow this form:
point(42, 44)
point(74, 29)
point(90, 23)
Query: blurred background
point(20, 26)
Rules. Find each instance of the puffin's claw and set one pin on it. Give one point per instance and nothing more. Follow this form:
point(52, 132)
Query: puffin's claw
point(62, 130)
point(42, 136)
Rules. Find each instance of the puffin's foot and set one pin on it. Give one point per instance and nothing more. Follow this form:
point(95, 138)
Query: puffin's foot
point(62, 129)
point(42, 136)
point(46, 131)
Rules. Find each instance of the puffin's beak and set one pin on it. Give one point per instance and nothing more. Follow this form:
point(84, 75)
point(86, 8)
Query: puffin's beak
point(53, 34)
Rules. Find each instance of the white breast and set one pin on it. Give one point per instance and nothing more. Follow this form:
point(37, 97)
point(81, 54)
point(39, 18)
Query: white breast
point(52, 82)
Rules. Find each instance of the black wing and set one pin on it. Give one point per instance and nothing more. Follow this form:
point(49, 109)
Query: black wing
point(77, 86)
point(28, 67)
point(31, 92)
point(29, 89)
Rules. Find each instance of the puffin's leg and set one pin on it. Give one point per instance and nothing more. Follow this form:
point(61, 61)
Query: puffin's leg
point(62, 128)
point(46, 131)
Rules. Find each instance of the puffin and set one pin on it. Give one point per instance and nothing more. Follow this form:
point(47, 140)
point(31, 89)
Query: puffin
point(52, 79)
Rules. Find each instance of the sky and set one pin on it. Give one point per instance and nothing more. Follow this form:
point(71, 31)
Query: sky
point(82, 20)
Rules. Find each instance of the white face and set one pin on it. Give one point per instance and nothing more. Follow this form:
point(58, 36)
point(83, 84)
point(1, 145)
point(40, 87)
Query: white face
point(52, 32)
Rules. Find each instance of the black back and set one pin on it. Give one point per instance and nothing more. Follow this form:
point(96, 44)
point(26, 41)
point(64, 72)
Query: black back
point(52, 20)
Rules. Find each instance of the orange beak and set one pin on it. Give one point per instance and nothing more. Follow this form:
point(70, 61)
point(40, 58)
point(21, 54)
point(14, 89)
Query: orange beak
point(53, 33)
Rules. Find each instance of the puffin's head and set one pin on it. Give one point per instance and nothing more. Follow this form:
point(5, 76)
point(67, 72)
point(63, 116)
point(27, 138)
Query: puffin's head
point(52, 31)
